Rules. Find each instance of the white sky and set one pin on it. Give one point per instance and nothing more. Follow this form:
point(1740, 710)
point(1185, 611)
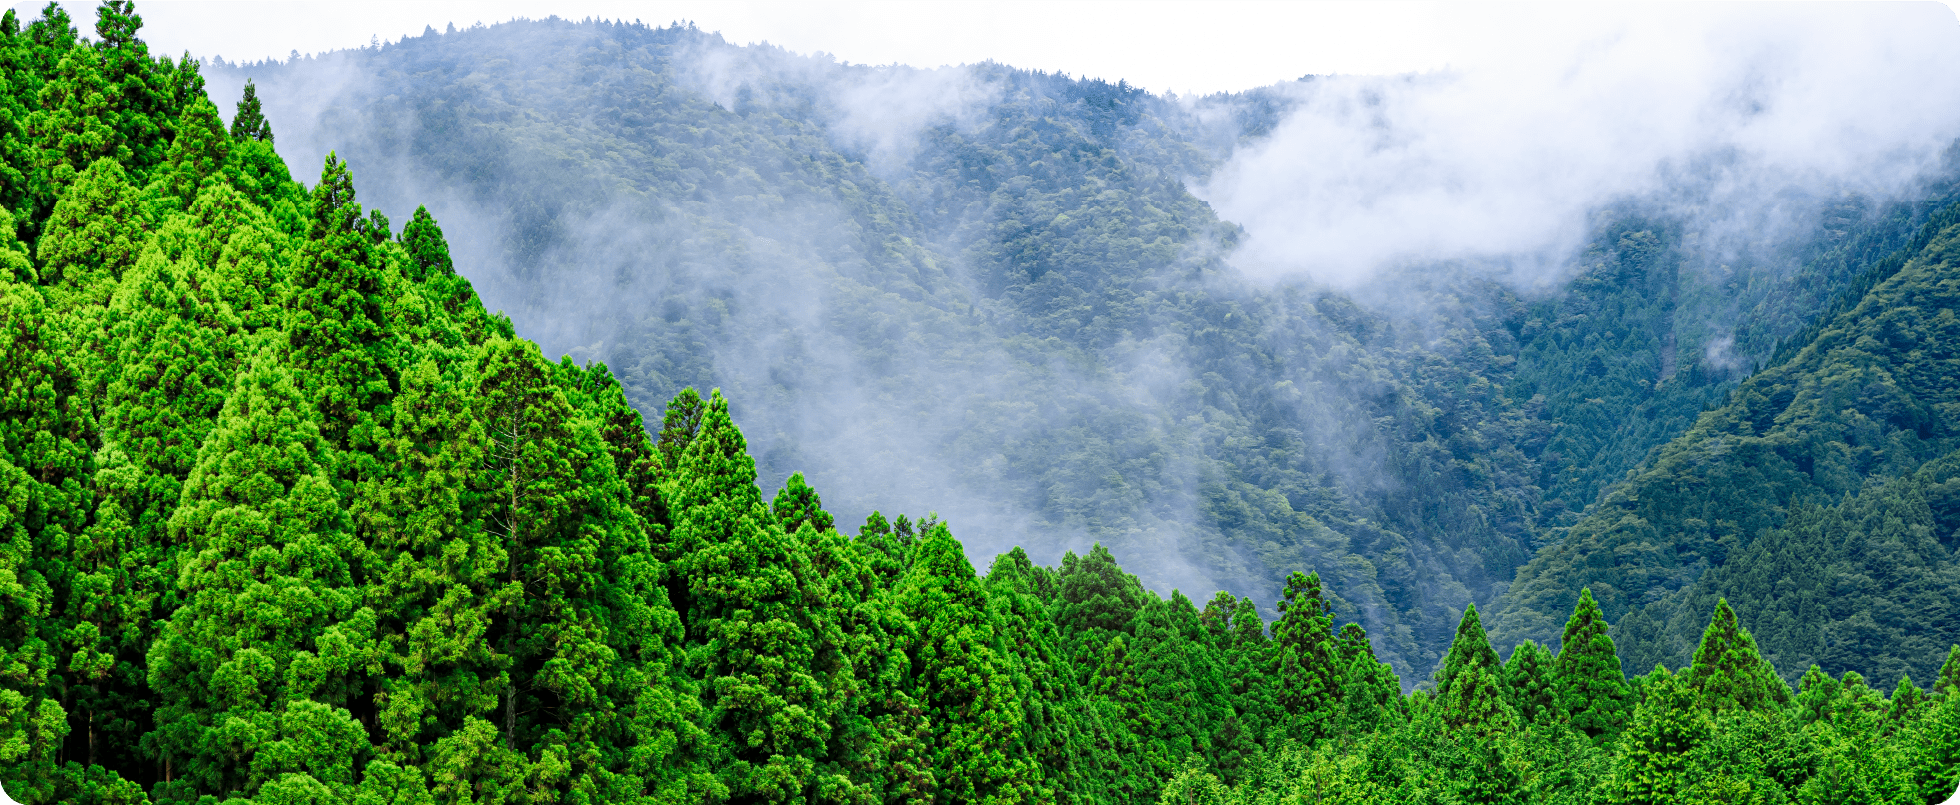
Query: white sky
point(1176, 45)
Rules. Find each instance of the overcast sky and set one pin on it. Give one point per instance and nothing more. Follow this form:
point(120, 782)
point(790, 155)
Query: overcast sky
point(1220, 45)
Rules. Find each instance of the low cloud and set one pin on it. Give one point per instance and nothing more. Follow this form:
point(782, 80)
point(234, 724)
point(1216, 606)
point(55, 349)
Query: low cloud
point(1725, 112)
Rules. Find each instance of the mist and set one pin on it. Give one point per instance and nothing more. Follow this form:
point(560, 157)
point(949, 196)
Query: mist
point(1721, 113)
point(1228, 337)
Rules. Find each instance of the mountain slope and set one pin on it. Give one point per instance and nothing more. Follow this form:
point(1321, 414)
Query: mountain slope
point(1732, 506)
point(989, 292)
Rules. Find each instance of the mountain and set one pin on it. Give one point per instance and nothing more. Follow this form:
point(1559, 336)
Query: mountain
point(993, 293)
point(1817, 496)
point(289, 516)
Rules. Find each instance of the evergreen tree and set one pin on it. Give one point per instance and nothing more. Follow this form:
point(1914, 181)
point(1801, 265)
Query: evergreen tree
point(198, 152)
point(1309, 679)
point(1728, 671)
point(1471, 647)
point(93, 236)
point(1935, 758)
point(964, 681)
point(1667, 726)
point(264, 652)
point(250, 123)
point(1906, 701)
point(1588, 686)
point(1949, 681)
point(337, 333)
point(1529, 681)
point(797, 504)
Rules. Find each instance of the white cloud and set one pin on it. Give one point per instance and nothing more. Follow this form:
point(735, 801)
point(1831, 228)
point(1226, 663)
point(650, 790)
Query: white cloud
point(1719, 107)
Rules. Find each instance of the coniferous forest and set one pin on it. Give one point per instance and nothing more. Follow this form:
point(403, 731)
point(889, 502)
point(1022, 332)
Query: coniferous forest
point(288, 516)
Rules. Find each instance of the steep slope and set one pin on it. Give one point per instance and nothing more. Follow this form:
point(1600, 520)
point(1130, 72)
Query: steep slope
point(1817, 492)
point(988, 292)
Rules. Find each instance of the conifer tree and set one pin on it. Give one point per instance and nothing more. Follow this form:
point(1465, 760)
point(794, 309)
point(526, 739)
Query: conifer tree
point(1309, 679)
point(1471, 647)
point(337, 332)
point(1935, 759)
point(95, 234)
point(1818, 696)
point(679, 424)
point(1217, 618)
point(198, 152)
point(1476, 701)
point(249, 123)
point(1906, 701)
point(143, 109)
point(1949, 681)
point(797, 504)
point(751, 627)
point(1654, 753)
point(1729, 672)
point(1528, 681)
point(1371, 691)
point(1588, 686)
point(270, 632)
point(964, 681)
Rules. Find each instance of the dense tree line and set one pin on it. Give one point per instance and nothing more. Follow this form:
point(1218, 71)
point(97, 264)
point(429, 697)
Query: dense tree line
point(287, 516)
point(1016, 302)
point(1818, 495)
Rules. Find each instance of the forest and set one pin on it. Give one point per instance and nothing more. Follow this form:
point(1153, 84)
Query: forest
point(290, 516)
point(1016, 311)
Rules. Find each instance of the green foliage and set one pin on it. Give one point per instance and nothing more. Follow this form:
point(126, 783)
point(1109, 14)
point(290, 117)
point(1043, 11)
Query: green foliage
point(249, 123)
point(1728, 672)
point(286, 516)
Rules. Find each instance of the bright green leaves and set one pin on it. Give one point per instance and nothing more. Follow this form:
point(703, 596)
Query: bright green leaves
point(1729, 672)
point(1528, 679)
point(93, 236)
point(797, 504)
point(337, 331)
point(1669, 723)
point(199, 151)
point(1589, 688)
point(1470, 648)
point(964, 680)
point(267, 585)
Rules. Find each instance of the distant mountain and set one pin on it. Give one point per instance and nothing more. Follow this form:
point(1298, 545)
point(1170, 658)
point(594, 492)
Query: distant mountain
point(1821, 498)
point(989, 292)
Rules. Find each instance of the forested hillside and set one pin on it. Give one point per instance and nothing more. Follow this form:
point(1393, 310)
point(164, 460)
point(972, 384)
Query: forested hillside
point(990, 292)
point(1820, 496)
point(288, 517)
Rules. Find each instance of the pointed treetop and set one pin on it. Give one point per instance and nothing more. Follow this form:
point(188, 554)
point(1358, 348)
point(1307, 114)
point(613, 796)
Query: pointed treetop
point(716, 465)
point(1728, 671)
point(1906, 698)
point(797, 504)
point(428, 252)
point(1217, 615)
point(116, 24)
point(1470, 648)
point(1528, 681)
point(1588, 685)
point(1949, 681)
point(678, 426)
point(250, 123)
point(199, 150)
point(334, 209)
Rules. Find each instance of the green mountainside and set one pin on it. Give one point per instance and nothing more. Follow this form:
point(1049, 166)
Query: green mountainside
point(1820, 496)
point(1011, 309)
point(289, 517)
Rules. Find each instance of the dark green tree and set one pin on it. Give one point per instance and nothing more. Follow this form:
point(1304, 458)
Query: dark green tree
point(249, 123)
point(1588, 686)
